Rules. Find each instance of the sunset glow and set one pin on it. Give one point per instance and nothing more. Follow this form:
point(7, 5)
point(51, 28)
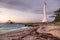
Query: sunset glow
point(26, 11)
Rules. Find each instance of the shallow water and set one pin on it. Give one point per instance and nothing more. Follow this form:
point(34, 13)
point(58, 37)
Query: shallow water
point(9, 27)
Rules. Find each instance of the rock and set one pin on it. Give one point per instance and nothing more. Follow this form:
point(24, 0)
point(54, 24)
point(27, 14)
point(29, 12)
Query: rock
point(56, 33)
point(54, 30)
point(17, 34)
point(28, 34)
point(29, 37)
point(41, 29)
point(51, 28)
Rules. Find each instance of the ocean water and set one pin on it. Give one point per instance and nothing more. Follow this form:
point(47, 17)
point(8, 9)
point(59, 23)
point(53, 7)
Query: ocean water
point(10, 27)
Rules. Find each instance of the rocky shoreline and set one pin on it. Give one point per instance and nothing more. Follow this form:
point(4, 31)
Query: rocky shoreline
point(30, 33)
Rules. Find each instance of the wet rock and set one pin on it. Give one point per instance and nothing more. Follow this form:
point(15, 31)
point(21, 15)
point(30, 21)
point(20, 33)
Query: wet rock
point(28, 34)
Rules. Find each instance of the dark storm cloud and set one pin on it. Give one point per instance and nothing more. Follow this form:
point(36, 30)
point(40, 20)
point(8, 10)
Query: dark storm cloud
point(32, 4)
point(16, 4)
point(35, 6)
point(24, 4)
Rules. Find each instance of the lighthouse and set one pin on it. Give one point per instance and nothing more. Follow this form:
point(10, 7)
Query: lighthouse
point(44, 12)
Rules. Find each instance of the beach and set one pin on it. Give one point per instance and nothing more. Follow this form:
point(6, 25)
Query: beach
point(51, 32)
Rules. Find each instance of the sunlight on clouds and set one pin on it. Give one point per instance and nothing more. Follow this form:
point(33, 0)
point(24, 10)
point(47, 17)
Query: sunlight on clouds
point(9, 14)
point(26, 10)
point(18, 16)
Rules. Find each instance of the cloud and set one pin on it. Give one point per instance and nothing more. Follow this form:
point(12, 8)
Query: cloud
point(15, 5)
point(23, 5)
point(31, 7)
point(18, 16)
point(34, 5)
point(58, 2)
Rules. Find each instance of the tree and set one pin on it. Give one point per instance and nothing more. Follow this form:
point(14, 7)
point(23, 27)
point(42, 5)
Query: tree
point(57, 17)
point(9, 21)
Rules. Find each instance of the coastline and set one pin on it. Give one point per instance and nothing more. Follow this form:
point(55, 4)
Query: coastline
point(26, 33)
point(7, 31)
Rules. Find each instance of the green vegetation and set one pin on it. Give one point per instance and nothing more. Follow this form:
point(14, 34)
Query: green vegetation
point(57, 17)
point(40, 22)
point(10, 22)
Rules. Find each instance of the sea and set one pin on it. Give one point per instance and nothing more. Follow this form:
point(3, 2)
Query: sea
point(4, 27)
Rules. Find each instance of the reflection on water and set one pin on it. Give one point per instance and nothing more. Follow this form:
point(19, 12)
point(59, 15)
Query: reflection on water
point(9, 27)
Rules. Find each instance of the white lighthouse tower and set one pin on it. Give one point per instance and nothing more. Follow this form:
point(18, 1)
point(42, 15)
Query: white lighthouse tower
point(44, 15)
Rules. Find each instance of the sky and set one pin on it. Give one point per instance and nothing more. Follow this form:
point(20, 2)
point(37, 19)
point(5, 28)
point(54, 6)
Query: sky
point(26, 10)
